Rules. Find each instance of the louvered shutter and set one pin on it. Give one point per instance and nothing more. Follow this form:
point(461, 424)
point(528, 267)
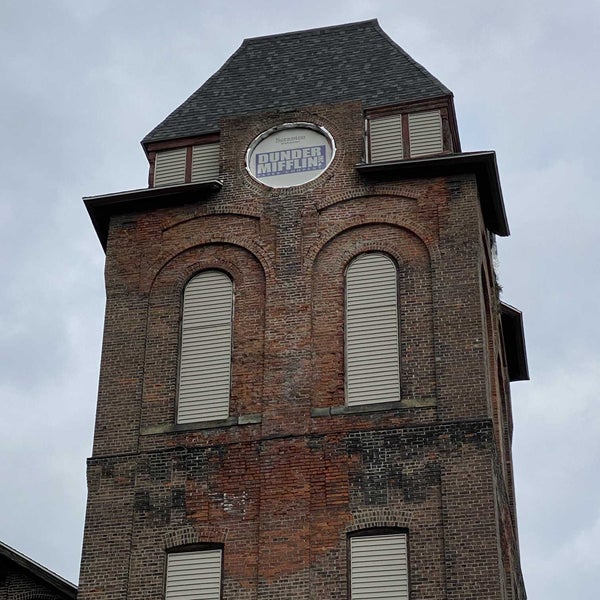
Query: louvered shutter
point(372, 356)
point(194, 575)
point(386, 139)
point(425, 133)
point(379, 567)
point(205, 361)
point(169, 167)
point(205, 162)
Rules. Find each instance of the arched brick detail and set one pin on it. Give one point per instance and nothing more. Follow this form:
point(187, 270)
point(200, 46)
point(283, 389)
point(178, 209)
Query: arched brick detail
point(359, 192)
point(370, 518)
point(187, 535)
point(183, 273)
point(327, 236)
point(415, 301)
point(252, 210)
point(163, 329)
point(183, 244)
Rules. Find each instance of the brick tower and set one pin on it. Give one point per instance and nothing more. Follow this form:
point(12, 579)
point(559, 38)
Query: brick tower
point(304, 390)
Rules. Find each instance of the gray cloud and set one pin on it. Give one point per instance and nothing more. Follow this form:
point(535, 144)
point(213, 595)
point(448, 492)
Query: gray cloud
point(85, 81)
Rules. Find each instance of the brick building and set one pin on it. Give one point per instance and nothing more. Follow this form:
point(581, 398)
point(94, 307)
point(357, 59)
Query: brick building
point(23, 579)
point(304, 389)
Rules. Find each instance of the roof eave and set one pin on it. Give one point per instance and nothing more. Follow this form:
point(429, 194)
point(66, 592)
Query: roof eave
point(56, 581)
point(482, 164)
point(102, 208)
point(513, 335)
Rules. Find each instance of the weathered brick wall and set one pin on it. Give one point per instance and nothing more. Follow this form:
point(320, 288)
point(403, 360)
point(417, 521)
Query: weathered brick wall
point(294, 471)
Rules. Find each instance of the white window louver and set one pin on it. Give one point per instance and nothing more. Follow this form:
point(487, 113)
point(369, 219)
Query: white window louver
point(169, 167)
point(379, 567)
point(372, 344)
point(425, 133)
point(205, 361)
point(386, 139)
point(194, 575)
point(205, 163)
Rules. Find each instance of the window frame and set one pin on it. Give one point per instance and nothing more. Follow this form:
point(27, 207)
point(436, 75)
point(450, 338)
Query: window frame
point(378, 532)
point(183, 345)
point(348, 391)
point(193, 549)
point(414, 130)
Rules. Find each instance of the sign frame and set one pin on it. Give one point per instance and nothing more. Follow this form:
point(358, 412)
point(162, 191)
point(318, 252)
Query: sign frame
point(311, 173)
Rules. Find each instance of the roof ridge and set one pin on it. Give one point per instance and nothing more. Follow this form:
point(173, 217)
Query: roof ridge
point(350, 61)
point(246, 42)
point(310, 30)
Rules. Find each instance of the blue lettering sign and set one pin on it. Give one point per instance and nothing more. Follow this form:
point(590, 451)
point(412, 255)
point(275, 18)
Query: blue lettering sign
point(284, 162)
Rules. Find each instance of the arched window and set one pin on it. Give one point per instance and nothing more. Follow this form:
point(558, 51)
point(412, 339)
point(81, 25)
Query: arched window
point(372, 344)
point(379, 566)
point(205, 359)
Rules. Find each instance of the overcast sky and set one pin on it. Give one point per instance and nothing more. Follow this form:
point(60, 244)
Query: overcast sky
point(84, 80)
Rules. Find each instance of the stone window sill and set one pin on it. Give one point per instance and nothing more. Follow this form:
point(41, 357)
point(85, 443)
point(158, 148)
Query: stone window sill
point(251, 419)
point(360, 409)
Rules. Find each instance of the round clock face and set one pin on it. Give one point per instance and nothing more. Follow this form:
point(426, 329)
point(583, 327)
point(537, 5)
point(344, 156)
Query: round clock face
point(289, 155)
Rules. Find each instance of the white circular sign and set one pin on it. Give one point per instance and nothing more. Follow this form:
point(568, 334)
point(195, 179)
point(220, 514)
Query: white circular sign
point(290, 154)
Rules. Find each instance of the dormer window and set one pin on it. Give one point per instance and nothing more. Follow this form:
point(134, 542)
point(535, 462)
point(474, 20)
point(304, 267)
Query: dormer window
point(385, 139)
point(205, 163)
point(190, 164)
point(425, 133)
point(169, 167)
point(401, 136)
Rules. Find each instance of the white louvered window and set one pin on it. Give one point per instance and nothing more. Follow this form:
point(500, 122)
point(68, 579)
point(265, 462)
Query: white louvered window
point(379, 567)
point(372, 340)
point(425, 133)
point(385, 137)
point(169, 167)
point(205, 163)
point(194, 575)
point(205, 357)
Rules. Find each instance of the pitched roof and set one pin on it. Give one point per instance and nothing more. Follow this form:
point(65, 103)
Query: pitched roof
point(61, 587)
point(357, 61)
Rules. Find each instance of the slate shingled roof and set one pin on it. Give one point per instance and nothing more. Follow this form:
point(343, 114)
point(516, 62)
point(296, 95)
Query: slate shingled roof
point(357, 61)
